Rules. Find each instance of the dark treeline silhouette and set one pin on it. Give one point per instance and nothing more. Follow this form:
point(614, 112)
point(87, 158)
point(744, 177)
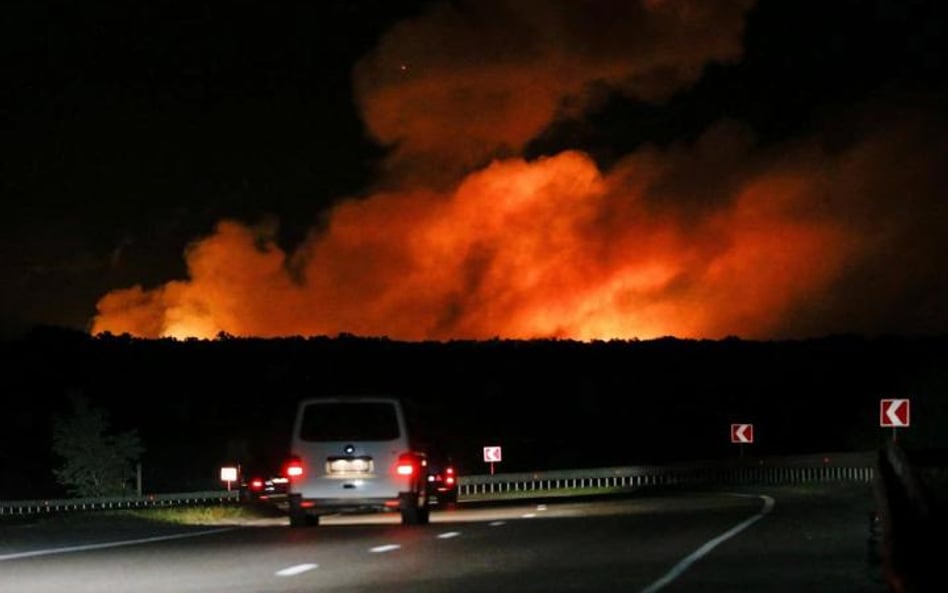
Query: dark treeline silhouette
point(549, 403)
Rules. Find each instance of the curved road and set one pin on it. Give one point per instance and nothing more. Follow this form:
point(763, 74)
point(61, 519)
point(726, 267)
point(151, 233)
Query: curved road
point(643, 544)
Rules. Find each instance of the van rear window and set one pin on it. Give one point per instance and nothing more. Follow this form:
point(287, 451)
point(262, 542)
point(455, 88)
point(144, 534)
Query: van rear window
point(356, 421)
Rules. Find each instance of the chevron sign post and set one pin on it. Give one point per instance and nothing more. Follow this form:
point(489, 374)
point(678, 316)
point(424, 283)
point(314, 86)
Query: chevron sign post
point(894, 414)
point(492, 455)
point(742, 434)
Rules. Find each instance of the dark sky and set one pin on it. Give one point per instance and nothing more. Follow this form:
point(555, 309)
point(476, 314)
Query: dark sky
point(129, 130)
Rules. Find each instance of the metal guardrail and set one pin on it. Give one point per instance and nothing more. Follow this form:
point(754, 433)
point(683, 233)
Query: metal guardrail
point(33, 507)
point(846, 467)
point(840, 467)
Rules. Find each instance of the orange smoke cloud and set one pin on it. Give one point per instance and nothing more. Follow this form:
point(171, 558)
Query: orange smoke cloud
point(550, 248)
point(474, 80)
point(710, 239)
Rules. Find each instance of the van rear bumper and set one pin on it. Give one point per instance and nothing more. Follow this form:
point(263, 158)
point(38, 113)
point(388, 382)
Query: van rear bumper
point(335, 505)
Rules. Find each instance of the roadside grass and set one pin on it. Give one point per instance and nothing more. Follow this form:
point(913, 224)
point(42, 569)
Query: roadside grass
point(203, 514)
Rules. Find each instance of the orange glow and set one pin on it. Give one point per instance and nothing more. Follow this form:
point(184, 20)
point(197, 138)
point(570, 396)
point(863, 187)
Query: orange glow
point(705, 239)
point(550, 248)
point(487, 77)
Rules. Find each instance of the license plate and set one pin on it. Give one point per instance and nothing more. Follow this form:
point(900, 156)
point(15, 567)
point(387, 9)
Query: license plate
point(349, 466)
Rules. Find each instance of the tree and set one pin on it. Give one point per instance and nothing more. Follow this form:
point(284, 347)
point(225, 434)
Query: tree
point(95, 462)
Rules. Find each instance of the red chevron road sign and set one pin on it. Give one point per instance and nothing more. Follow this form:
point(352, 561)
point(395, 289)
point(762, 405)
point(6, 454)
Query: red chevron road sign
point(894, 412)
point(742, 433)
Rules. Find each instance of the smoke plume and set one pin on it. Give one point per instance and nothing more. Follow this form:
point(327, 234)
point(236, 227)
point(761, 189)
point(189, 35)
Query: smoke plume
point(708, 238)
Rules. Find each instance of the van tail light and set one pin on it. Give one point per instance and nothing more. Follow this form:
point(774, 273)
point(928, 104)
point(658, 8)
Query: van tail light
point(407, 465)
point(256, 485)
point(293, 468)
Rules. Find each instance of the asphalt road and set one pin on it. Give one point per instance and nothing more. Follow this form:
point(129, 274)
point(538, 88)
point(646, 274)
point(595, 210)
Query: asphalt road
point(773, 541)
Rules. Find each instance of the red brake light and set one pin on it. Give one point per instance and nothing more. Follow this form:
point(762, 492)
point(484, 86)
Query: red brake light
point(256, 484)
point(293, 468)
point(449, 480)
point(449, 471)
point(406, 464)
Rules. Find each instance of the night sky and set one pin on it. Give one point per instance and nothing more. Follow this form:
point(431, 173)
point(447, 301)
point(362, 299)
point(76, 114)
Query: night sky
point(438, 170)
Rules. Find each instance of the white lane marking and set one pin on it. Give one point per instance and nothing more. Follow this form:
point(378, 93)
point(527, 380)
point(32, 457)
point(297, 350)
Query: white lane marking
point(295, 570)
point(690, 559)
point(541, 507)
point(497, 523)
point(529, 515)
point(449, 534)
point(128, 542)
point(385, 548)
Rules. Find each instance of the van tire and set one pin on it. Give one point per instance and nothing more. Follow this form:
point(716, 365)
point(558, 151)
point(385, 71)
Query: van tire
point(298, 516)
point(412, 513)
point(304, 520)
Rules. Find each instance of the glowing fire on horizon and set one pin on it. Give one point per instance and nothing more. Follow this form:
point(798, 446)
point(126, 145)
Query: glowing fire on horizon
point(708, 238)
point(551, 248)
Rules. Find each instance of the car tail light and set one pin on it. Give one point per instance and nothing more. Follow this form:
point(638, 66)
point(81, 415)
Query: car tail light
point(407, 464)
point(449, 480)
point(293, 468)
point(256, 484)
point(449, 471)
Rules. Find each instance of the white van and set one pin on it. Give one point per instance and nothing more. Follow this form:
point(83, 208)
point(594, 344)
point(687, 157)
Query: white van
point(353, 453)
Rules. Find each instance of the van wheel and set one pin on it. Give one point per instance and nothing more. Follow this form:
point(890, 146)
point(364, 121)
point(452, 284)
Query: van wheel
point(412, 513)
point(304, 520)
point(298, 516)
point(297, 520)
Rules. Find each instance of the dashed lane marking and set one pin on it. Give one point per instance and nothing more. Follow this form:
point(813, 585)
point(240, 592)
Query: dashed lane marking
point(295, 570)
point(449, 534)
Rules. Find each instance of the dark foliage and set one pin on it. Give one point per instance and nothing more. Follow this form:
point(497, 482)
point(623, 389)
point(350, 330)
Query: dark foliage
point(550, 403)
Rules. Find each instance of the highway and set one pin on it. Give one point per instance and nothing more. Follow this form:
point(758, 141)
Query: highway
point(766, 540)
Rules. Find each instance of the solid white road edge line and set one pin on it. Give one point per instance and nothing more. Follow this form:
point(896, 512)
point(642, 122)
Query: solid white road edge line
point(690, 559)
point(529, 515)
point(385, 548)
point(129, 542)
point(449, 534)
point(295, 570)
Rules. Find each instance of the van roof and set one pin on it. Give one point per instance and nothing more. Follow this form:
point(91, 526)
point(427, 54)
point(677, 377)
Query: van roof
point(351, 399)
